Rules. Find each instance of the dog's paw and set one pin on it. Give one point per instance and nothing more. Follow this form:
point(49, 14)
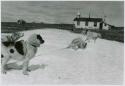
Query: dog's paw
point(4, 72)
point(25, 73)
point(29, 70)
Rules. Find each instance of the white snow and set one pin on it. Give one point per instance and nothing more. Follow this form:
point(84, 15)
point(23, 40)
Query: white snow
point(100, 63)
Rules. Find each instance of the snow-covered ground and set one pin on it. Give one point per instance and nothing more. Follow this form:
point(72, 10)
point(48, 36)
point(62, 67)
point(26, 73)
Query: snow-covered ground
point(100, 63)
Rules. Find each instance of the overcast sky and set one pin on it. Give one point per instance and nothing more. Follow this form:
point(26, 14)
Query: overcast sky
point(61, 11)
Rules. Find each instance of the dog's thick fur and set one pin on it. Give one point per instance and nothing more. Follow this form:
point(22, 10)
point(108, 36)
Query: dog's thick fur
point(12, 38)
point(92, 35)
point(77, 43)
point(29, 49)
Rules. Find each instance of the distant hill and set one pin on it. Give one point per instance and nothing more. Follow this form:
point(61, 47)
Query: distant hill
point(115, 33)
point(8, 27)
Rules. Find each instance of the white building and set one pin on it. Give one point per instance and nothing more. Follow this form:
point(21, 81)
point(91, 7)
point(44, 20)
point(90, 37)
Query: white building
point(90, 23)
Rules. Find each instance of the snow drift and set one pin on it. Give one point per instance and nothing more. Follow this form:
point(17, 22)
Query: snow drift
point(100, 63)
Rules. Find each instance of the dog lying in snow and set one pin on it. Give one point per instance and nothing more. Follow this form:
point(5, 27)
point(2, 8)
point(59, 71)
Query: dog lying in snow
point(92, 35)
point(77, 43)
point(21, 51)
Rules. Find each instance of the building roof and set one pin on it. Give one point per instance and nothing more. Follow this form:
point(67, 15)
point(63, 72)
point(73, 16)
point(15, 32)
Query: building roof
point(88, 19)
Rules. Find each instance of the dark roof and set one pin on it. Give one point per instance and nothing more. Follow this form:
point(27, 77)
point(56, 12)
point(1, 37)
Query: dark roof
point(88, 19)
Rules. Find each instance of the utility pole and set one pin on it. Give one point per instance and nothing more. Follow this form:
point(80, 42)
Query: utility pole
point(89, 13)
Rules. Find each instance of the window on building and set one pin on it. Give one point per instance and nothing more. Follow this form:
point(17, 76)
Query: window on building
point(86, 23)
point(95, 24)
point(78, 22)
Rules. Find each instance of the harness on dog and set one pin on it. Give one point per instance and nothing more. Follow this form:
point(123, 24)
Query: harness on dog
point(34, 45)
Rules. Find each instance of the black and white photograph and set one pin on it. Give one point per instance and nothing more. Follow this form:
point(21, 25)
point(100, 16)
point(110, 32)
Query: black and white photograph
point(62, 43)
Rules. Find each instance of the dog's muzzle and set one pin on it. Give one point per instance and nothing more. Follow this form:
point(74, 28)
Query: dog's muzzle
point(42, 41)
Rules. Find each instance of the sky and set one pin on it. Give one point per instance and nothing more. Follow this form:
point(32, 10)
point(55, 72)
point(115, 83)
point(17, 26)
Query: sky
point(62, 11)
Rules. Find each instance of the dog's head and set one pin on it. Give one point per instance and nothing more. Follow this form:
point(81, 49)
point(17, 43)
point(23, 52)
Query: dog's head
point(36, 40)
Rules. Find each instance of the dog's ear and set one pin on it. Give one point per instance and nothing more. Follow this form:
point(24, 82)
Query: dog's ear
point(40, 38)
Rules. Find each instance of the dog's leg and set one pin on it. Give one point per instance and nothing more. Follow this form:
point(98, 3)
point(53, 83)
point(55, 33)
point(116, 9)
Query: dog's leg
point(4, 63)
point(29, 70)
point(25, 67)
point(87, 39)
point(75, 47)
point(95, 39)
point(70, 45)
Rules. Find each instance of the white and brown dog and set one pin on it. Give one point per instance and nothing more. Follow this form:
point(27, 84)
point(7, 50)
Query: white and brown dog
point(77, 43)
point(92, 36)
point(20, 51)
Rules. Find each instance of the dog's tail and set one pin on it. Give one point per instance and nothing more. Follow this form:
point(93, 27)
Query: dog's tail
point(64, 48)
point(67, 47)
